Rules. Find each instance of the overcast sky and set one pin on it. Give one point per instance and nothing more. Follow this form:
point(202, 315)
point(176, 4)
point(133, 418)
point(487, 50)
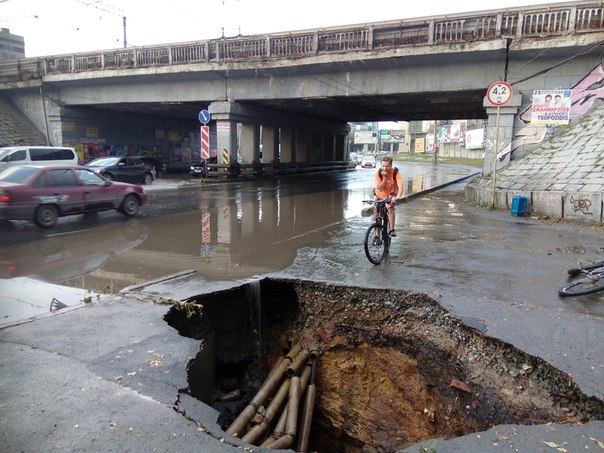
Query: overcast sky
point(52, 27)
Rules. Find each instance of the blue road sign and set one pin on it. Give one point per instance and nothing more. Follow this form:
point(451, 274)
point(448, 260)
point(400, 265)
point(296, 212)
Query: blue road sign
point(204, 117)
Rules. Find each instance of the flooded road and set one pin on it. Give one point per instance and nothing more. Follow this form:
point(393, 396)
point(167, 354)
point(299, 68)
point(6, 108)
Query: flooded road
point(223, 231)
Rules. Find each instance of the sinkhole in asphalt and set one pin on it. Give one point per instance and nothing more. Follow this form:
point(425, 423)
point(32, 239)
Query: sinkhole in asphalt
point(394, 367)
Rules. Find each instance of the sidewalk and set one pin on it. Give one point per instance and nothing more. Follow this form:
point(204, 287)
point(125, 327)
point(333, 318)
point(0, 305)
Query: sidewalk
point(81, 379)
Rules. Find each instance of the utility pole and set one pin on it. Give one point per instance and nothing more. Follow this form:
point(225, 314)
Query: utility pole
point(436, 145)
point(124, 21)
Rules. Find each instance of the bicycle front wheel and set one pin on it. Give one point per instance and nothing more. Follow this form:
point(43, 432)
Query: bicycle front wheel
point(590, 284)
point(375, 245)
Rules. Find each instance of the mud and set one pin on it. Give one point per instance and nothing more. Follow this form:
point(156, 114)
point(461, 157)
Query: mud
point(395, 367)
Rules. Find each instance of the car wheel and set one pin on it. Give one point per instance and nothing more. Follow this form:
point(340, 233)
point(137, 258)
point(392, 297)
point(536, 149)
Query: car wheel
point(46, 216)
point(148, 178)
point(130, 205)
point(159, 173)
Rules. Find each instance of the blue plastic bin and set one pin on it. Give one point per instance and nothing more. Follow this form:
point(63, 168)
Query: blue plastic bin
point(518, 205)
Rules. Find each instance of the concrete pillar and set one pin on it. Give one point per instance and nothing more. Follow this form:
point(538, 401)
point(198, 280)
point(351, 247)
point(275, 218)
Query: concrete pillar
point(249, 147)
point(270, 144)
point(329, 146)
point(507, 115)
point(341, 153)
point(287, 145)
point(302, 146)
point(226, 142)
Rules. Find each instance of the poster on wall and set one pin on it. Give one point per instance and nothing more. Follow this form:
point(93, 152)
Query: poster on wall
point(450, 133)
point(551, 106)
point(419, 145)
point(475, 139)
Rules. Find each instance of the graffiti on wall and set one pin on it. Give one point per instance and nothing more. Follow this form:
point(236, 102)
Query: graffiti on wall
point(584, 94)
point(581, 204)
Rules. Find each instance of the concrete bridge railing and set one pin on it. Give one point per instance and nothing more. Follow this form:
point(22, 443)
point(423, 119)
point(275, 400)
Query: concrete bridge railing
point(557, 19)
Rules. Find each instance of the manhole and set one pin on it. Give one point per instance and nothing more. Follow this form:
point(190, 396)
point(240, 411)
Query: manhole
point(394, 368)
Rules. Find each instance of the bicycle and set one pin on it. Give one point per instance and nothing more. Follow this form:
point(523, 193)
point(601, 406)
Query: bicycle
point(377, 239)
point(592, 282)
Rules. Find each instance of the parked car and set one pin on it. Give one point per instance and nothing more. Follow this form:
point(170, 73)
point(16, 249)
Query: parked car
point(197, 169)
point(130, 169)
point(368, 162)
point(37, 155)
point(159, 166)
point(43, 194)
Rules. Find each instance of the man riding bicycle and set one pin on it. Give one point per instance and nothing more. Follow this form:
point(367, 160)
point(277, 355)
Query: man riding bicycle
point(388, 181)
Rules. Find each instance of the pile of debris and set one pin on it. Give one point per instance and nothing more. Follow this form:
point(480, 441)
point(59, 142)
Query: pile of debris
point(279, 398)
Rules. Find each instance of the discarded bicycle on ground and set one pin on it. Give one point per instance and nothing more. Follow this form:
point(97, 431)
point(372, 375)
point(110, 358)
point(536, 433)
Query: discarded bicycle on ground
point(591, 281)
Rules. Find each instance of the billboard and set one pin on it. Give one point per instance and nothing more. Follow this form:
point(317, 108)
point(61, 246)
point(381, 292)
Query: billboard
point(365, 137)
point(475, 139)
point(392, 136)
point(551, 107)
point(450, 133)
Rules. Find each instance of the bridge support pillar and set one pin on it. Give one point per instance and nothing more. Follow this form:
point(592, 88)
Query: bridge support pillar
point(285, 138)
point(249, 145)
point(226, 141)
point(507, 115)
point(288, 143)
point(270, 144)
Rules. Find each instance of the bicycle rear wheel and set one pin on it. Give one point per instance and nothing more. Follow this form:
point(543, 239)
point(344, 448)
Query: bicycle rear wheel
point(375, 245)
point(590, 284)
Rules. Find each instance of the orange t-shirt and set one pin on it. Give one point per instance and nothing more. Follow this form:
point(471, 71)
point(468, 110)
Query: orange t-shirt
point(391, 187)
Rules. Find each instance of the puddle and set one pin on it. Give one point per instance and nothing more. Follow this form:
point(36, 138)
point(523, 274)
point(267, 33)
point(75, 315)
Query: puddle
point(393, 368)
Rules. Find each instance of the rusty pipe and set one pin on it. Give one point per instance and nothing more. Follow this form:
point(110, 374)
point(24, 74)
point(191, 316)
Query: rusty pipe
point(283, 442)
point(266, 389)
point(294, 351)
point(289, 353)
point(308, 410)
point(298, 362)
point(257, 431)
point(293, 404)
point(291, 416)
point(280, 427)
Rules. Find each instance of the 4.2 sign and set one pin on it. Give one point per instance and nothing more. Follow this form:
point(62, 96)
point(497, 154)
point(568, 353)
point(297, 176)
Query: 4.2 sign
point(499, 93)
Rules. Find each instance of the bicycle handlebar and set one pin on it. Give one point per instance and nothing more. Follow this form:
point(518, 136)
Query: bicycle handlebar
point(383, 200)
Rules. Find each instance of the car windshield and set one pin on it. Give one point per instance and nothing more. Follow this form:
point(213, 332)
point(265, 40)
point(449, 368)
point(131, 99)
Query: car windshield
point(5, 151)
point(18, 174)
point(369, 158)
point(103, 162)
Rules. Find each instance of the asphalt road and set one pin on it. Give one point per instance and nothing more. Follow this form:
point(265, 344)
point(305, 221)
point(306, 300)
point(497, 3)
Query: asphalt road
point(493, 271)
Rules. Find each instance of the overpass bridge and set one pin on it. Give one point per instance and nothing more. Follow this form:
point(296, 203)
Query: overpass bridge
point(295, 92)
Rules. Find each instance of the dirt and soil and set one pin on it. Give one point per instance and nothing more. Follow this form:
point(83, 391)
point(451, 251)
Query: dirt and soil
point(389, 364)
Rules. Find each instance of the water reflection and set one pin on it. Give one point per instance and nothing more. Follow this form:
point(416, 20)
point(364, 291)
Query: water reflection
point(61, 257)
point(239, 230)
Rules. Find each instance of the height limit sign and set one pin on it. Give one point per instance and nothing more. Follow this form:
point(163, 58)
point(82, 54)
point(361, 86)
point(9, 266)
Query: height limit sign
point(499, 93)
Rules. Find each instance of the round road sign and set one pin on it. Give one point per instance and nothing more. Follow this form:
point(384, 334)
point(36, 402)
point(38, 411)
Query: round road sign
point(499, 93)
point(204, 117)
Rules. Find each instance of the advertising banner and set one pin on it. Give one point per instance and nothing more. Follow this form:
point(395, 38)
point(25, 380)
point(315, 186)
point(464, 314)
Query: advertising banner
point(364, 137)
point(420, 145)
point(475, 139)
point(551, 107)
point(392, 136)
point(450, 133)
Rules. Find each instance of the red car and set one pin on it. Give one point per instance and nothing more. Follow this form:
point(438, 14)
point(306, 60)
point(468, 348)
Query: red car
point(43, 194)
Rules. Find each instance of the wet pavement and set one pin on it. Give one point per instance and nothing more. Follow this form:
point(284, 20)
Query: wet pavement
point(497, 273)
point(224, 231)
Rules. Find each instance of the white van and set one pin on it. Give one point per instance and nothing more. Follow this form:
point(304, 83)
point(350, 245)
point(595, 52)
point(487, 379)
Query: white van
point(37, 155)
